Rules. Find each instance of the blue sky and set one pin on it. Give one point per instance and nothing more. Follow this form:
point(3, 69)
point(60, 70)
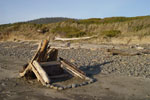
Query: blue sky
point(24, 10)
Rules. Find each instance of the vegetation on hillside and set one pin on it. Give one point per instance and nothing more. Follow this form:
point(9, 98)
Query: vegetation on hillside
point(68, 31)
point(111, 33)
point(108, 27)
point(49, 20)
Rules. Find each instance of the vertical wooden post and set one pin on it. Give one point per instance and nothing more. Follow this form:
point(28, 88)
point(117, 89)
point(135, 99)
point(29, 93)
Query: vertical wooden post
point(43, 51)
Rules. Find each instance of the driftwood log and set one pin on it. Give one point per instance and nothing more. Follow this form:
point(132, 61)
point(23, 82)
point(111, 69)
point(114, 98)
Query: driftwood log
point(41, 71)
point(42, 54)
point(123, 53)
point(71, 39)
point(72, 69)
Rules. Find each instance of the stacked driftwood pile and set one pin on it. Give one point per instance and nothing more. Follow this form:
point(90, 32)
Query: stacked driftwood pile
point(45, 66)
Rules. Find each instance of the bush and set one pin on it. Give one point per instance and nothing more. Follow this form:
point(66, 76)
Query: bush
point(109, 20)
point(111, 33)
point(89, 21)
point(68, 31)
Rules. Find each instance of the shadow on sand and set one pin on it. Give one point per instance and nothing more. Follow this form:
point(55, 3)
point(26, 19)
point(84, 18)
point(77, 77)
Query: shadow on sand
point(89, 70)
point(94, 69)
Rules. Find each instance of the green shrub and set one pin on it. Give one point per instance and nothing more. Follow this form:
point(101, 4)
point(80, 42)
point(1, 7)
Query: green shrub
point(68, 31)
point(137, 28)
point(111, 33)
point(109, 20)
point(89, 21)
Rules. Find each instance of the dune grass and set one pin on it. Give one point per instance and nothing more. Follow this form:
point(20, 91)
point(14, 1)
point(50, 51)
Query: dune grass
point(114, 27)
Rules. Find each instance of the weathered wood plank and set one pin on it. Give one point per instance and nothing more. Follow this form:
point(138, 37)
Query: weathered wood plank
point(37, 52)
point(43, 50)
point(70, 39)
point(39, 78)
point(51, 63)
point(72, 69)
point(41, 72)
point(22, 74)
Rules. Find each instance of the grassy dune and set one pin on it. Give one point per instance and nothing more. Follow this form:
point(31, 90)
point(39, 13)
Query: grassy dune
point(127, 29)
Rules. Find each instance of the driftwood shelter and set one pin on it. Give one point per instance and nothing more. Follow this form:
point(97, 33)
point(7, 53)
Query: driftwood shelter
point(45, 66)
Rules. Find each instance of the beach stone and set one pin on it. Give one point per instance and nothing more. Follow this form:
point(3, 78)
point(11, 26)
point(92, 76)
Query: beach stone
point(140, 48)
point(64, 87)
point(92, 62)
point(51, 86)
point(3, 84)
point(55, 87)
point(74, 85)
point(84, 83)
point(48, 85)
point(91, 81)
point(69, 86)
point(80, 84)
point(60, 88)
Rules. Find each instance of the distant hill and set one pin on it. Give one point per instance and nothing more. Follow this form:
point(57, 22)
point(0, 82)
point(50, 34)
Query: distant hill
point(48, 20)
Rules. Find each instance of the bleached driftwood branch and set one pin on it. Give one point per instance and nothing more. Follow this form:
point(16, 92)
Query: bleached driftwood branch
point(70, 39)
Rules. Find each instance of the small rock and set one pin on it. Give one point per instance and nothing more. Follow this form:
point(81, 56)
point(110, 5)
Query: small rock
point(80, 84)
point(3, 84)
point(139, 48)
point(72, 61)
point(69, 86)
point(51, 86)
point(74, 85)
point(60, 88)
point(55, 87)
point(84, 83)
point(131, 46)
point(68, 44)
point(64, 87)
point(91, 81)
point(92, 49)
point(48, 85)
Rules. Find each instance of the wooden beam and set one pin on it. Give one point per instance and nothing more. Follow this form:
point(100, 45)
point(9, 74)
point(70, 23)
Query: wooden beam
point(37, 52)
point(72, 69)
point(51, 63)
point(41, 72)
point(22, 74)
point(43, 50)
point(39, 78)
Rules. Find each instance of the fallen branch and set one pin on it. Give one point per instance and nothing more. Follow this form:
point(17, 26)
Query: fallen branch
point(71, 39)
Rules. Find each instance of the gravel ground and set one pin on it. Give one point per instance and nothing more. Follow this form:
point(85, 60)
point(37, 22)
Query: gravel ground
point(118, 77)
point(92, 61)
